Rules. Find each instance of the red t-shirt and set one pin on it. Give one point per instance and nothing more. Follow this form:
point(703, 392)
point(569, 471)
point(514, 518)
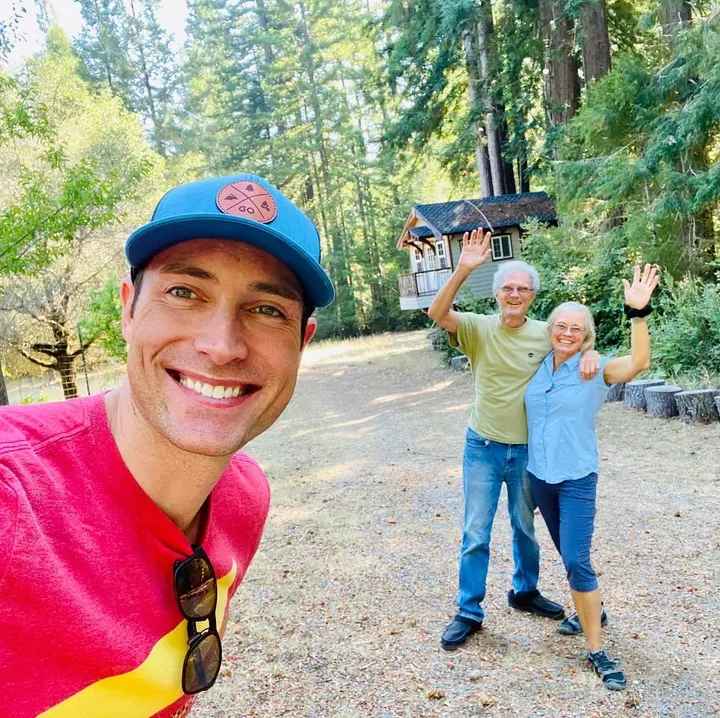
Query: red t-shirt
point(90, 624)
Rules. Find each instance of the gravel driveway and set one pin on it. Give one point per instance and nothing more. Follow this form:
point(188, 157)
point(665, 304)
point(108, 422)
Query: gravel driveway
point(340, 614)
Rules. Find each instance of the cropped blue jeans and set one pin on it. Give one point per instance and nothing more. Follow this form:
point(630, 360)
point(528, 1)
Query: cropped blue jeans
point(487, 465)
point(569, 512)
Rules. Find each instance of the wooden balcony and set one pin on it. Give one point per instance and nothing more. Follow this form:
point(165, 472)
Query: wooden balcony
point(418, 288)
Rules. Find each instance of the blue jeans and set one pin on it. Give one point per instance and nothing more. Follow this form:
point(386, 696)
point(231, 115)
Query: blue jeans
point(569, 512)
point(486, 466)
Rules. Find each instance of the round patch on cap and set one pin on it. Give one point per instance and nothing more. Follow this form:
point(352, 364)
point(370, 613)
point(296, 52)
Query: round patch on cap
point(248, 200)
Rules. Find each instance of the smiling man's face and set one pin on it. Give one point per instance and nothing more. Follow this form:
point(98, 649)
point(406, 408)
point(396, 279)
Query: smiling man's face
point(515, 296)
point(214, 344)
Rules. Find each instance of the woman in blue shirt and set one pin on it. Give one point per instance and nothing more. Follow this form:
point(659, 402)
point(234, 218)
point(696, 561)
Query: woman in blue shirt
point(562, 448)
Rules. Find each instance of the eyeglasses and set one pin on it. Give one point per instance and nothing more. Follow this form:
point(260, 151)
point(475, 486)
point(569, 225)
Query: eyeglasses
point(196, 594)
point(564, 328)
point(522, 291)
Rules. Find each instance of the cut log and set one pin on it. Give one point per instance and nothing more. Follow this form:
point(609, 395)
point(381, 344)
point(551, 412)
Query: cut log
point(437, 338)
point(660, 400)
point(616, 392)
point(698, 405)
point(635, 392)
point(461, 363)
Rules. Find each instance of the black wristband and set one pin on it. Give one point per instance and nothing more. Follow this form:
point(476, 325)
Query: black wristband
point(631, 312)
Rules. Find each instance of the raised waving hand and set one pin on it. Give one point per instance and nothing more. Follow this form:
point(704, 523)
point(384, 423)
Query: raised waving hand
point(637, 294)
point(475, 249)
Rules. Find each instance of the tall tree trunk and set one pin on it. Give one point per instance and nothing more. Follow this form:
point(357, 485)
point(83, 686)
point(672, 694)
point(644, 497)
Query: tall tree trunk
point(66, 368)
point(482, 163)
point(486, 56)
point(507, 167)
point(136, 24)
point(102, 36)
point(595, 40)
point(339, 265)
point(523, 171)
point(562, 86)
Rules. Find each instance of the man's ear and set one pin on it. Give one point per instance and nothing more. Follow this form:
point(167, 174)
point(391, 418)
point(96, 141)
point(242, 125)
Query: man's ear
point(127, 294)
point(310, 330)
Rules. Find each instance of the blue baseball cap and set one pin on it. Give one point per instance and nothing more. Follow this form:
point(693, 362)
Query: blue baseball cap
point(243, 207)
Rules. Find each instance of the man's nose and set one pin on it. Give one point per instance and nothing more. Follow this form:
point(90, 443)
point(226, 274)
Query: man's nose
point(223, 338)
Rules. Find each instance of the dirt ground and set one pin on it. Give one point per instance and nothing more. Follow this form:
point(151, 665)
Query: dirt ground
point(341, 612)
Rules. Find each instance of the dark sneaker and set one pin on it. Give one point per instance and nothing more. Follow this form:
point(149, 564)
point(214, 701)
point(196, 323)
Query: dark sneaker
point(571, 626)
point(458, 631)
point(535, 602)
point(609, 670)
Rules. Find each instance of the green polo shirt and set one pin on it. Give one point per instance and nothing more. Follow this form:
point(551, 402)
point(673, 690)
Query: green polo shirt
point(503, 360)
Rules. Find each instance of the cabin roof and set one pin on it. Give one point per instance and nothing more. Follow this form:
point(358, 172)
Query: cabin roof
point(490, 213)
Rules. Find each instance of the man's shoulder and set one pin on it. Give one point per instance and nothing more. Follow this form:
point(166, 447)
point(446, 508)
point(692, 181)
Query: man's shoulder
point(481, 322)
point(248, 476)
point(33, 426)
point(537, 325)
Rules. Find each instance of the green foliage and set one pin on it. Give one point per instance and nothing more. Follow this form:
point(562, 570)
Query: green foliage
point(306, 113)
point(101, 321)
point(686, 330)
point(441, 343)
point(77, 158)
point(125, 51)
point(575, 267)
point(76, 166)
point(640, 152)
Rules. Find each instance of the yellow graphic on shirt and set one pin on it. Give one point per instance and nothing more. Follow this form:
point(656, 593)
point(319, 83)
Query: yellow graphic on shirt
point(153, 685)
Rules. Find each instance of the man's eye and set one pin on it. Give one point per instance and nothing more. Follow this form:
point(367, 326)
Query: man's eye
point(182, 293)
point(267, 310)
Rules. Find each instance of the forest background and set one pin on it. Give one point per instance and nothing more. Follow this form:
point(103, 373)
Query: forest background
point(358, 109)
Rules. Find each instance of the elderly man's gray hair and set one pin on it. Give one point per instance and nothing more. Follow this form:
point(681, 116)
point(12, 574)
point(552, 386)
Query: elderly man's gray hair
point(516, 265)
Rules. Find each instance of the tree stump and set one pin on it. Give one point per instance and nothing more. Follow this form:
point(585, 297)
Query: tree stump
point(461, 363)
point(437, 338)
point(635, 392)
point(698, 405)
point(660, 400)
point(616, 392)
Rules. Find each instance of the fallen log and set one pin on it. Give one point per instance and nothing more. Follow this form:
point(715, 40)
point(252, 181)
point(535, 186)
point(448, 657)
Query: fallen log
point(660, 400)
point(635, 392)
point(616, 392)
point(698, 405)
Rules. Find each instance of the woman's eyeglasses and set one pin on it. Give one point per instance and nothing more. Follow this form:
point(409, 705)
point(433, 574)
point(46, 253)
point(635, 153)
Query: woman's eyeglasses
point(573, 329)
point(196, 594)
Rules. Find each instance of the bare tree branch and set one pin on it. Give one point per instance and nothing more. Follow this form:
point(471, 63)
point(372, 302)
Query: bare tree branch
point(32, 359)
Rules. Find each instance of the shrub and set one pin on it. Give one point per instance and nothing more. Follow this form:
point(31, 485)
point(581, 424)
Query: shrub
point(686, 331)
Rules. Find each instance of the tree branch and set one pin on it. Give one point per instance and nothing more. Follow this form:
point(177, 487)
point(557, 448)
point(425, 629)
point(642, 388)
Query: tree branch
point(36, 361)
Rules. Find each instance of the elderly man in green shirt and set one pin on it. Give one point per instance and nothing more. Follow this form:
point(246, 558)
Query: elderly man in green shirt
point(504, 352)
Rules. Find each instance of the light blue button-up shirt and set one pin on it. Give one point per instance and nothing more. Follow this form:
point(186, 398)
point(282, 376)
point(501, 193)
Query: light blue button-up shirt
point(561, 409)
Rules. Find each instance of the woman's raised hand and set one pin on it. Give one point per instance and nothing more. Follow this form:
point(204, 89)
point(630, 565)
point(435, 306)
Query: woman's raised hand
point(637, 294)
point(475, 249)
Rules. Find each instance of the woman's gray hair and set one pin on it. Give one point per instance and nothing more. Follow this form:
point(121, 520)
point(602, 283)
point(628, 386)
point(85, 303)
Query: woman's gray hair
point(589, 340)
point(516, 265)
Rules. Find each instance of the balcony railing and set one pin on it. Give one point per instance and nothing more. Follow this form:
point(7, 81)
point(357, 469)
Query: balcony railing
point(419, 284)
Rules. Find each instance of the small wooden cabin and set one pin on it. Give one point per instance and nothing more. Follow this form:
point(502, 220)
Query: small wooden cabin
point(433, 237)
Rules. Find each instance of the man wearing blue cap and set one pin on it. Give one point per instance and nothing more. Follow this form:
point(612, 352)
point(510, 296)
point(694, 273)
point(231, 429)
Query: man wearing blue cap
point(130, 518)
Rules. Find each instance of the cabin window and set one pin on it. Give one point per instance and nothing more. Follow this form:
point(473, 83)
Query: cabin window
point(501, 247)
point(440, 251)
point(417, 255)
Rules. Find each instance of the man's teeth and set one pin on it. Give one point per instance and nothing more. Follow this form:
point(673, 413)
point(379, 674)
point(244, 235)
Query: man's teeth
point(210, 390)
